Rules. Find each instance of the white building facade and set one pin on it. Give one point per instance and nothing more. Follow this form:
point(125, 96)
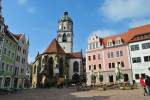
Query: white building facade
point(140, 57)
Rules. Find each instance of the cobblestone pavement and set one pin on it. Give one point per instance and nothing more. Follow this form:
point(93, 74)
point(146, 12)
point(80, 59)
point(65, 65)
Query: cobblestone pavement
point(72, 94)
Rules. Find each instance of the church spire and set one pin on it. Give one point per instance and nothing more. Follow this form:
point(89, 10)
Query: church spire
point(1, 16)
point(1, 8)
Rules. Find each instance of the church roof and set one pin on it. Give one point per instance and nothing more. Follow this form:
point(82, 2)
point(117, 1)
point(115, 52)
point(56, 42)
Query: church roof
point(54, 47)
point(66, 17)
point(75, 55)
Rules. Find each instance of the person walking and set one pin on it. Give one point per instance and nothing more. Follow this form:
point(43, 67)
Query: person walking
point(142, 82)
point(147, 83)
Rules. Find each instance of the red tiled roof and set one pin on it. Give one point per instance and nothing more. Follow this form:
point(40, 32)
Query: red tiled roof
point(75, 55)
point(126, 37)
point(54, 47)
point(136, 31)
point(113, 38)
point(18, 36)
point(140, 37)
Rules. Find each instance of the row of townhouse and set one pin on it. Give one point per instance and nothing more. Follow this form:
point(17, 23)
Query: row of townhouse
point(13, 57)
point(130, 51)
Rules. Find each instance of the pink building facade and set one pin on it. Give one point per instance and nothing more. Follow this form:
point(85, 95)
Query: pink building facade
point(104, 55)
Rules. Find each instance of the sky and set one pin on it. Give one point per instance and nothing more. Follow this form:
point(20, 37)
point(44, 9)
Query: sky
point(38, 19)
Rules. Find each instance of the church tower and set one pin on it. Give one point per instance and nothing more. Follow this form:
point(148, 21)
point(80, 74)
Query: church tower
point(1, 17)
point(65, 33)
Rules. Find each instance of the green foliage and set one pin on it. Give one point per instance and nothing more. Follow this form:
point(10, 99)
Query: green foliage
point(119, 74)
point(6, 73)
point(100, 78)
point(93, 77)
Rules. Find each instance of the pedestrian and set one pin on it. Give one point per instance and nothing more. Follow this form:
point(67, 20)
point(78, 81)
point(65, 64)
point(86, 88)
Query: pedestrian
point(142, 82)
point(147, 83)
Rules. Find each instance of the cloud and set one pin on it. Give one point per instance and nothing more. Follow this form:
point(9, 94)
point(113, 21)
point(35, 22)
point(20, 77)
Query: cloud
point(118, 10)
point(31, 10)
point(138, 22)
point(104, 32)
point(22, 2)
point(30, 59)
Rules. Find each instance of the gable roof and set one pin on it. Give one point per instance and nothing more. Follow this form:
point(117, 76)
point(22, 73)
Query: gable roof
point(127, 36)
point(54, 47)
point(75, 55)
point(9, 34)
point(18, 36)
point(140, 37)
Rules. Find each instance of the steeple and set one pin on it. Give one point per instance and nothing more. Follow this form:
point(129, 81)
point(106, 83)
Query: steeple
point(0, 7)
point(1, 16)
point(65, 33)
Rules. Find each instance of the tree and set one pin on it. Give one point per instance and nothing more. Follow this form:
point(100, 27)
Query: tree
point(93, 78)
point(119, 74)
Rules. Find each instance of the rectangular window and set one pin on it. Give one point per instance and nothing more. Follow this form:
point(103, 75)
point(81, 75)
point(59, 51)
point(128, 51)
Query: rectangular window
point(113, 65)
point(121, 53)
point(100, 66)
point(117, 53)
point(5, 50)
point(118, 63)
point(24, 51)
point(109, 55)
point(137, 76)
point(90, 67)
point(146, 45)
point(93, 45)
point(94, 67)
point(134, 47)
point(89, 57)
point(94, 57)
point(112, 54)
point(146, 58)
point(9, 53)
point(3, 64)
point(90, 46)
point(136, 60)
point(143, 75)
point(99, 57)
point(122, 64)
point(109, 65)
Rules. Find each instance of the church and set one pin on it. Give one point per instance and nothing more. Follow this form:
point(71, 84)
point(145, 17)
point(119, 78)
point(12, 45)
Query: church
point(58, 59)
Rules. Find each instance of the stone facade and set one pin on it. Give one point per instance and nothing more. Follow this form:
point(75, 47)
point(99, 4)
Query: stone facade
point(58, 60)
point(65, 33)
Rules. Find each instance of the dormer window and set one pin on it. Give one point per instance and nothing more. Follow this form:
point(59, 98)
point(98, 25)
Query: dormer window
point(118, 42)
point(110, 43)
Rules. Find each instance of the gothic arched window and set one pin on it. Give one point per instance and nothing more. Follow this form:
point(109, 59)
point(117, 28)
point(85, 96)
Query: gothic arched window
point(64, 38)
point(68, 35)
point(34, 70)
point(75, 66)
